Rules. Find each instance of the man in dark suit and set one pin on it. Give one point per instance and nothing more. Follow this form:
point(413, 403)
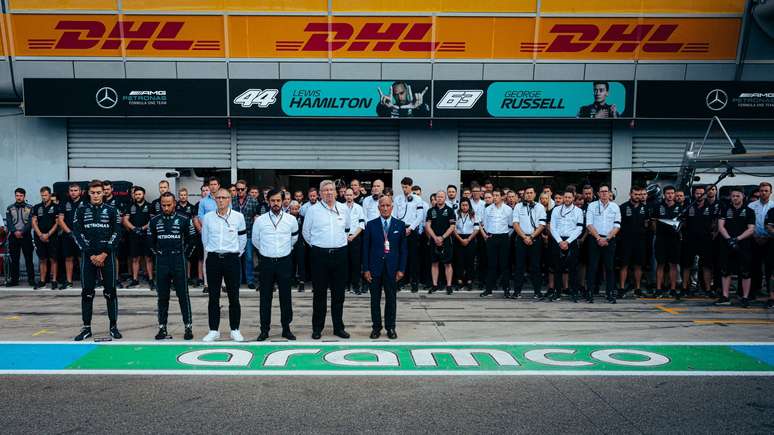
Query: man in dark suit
point(384, 263)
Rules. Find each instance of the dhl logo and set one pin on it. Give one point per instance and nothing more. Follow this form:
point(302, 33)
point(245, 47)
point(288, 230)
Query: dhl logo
point(131, 35)
point(370, 36)
point(620, 38)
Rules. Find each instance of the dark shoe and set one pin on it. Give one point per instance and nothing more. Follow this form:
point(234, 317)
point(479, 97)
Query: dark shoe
point(162, 335)
point(133, 284)
point(301, 288)
point(341, 334)
point(316, 335)
point(53, 285)
point(199, 282)
point(745, 302)
point(432, 290)
point(485, 293)
point(375, 334)
point(287, 334)
point(115, 333)
point(38, 285)
point(611, 300)
point(722, 301)
point(391, 334)
point(152, 285)
point(414, 288)
point(205, 290)
point(99, 284)
point(12, 283)
point(251, 286)
point(188, 333)
point(516, 295)
point(263, 335)
point(590, 299)
point(84, 334)
point(449, 290)
point(506, 294)
point(538, 295)
point(770, 303)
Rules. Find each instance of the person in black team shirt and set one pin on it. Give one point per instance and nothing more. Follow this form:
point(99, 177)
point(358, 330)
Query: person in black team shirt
point(769, 222)
point(188, 210)
point(69, 247)
point(46, 242)
point(699, 227)
point(110, 199)
point(136, 222)
point(171, 237)
point(96, 227)
point(736, 227)
point(667, 242)
point(633, 240)
point(19, 220)
point(439, 228)
point(155, 209)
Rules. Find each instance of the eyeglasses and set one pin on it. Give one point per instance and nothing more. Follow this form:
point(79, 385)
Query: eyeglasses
point(222, 197)
point(241, 189)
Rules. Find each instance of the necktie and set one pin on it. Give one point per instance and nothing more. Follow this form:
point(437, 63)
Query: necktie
point(385, 226)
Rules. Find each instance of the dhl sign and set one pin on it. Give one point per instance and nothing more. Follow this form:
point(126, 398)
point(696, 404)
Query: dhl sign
point(175, 36)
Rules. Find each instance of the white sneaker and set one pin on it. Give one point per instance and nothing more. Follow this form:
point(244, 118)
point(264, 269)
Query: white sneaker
point(211, 336)
point(236, 335)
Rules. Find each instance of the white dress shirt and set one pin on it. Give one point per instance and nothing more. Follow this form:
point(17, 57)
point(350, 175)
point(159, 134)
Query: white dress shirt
point(529, 217)
point(370, 208)
point(603, 218)
point(224, 234)
point(410, 212)
point(566, 223)
point(326, 227)
point(356, 217)
point(497, 220)
point(466, 225)
point(453, 204)
point(275, 235)
point(761, 209)
point(479, 207)
point(305, 206)
point(423, 216)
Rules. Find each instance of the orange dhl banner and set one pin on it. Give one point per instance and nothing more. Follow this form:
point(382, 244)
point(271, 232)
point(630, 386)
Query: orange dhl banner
point(310, 37)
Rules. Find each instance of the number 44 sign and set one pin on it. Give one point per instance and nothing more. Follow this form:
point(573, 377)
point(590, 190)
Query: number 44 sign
point(257, 97)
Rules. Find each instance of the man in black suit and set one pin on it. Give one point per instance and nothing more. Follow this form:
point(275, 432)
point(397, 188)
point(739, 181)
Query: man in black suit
point(385, 250)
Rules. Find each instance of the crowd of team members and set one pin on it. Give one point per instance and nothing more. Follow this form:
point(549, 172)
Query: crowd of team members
point(567, 242)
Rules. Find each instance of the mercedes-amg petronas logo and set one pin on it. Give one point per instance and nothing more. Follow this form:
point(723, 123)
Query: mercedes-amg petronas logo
point(717, 99)
point(107, 98)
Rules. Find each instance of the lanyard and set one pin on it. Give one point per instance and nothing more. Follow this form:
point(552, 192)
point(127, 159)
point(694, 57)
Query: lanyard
point(569, 210)
point(464, 219)
point(333, 210)
point(271, 219)
point(225, 219)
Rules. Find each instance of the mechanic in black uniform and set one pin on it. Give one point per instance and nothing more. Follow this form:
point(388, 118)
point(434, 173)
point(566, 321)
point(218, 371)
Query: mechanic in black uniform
point(96, 227)
point(136, 223)
point(155, 209)
point(667, 242)
point(44, 228)
point(769, 223)
point(736, 226)
point(110, 199)
point(69, 247)
point(171, 236)
point(439, 227)
point(188, 210)
point(700, 227)
point(634, 240)
point(18, 217)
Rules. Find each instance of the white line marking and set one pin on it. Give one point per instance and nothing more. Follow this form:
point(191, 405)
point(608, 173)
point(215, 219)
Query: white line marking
point(379, 373)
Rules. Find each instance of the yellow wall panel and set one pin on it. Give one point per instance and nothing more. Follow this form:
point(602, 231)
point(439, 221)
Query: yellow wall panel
point(107, 5)
point(227, 5)
point(643, 6)
point(434, 6)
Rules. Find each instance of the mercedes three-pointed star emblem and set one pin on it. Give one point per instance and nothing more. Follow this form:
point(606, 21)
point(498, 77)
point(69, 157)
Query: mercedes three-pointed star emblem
point(107, 98)
point(717, 99)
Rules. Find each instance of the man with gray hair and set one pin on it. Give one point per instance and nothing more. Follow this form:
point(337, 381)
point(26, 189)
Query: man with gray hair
point(326, 226)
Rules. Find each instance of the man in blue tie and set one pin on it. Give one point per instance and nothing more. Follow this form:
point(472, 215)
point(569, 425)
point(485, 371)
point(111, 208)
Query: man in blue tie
point(384, 263)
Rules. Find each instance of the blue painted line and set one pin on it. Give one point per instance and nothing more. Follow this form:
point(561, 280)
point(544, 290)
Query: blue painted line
point(41, 356)
point(763, 353)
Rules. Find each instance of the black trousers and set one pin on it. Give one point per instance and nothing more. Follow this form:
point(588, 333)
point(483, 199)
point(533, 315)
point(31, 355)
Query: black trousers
point(605, 256)
point(412, 258)
point(481, 260)
point(299, 261)
point(326, 274)
point(464, 260)
point(220, 268)
point(170, 269)
point(529, 254)
point(566, 261)
point(387, 282)
point(16, 247)
point(354, 252)
point(423, 251)
point(760, 267)
point(497, 254)
point(279, 271)
point(89, 280)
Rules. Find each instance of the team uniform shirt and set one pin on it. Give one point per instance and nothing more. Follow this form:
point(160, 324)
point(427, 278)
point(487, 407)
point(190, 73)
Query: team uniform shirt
point(139, 214)
point(425, 207)
point(566, 223)
point(664, 211)
point(634, 220)
point(498, 220)
point(263, 207)
point(305, 206)
point(46, 216)
point(371, 208)
point(479, 208)
point(411, 210)
point(67, 210)
point(769, 219)
point(115, 202)
point(96, 228)
point(275, 235)
point(603, 218)
point(736, 220)
point(155, 207)
point(327, 227)
point(453, 204)
point(206, 205)
point(188, 210)
point(441, 219)
point(356, 218)
point(700, 220)
point(466, 225)
point(224, 234)
point(171, 234)
point(529, 217)
point(761, 209)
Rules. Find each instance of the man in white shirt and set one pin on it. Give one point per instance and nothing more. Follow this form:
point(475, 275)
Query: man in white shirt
point(312, 195)
point(496, 225)
point(529, 220)
point(326, 227)
point(371, 203)
point(451, 197)
point(274, 235)
point(354, 242)
point(603, 221)
point(224, 236)
point(478, 205)
point(761, 240)
point(566, 227)
point(410, 209)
